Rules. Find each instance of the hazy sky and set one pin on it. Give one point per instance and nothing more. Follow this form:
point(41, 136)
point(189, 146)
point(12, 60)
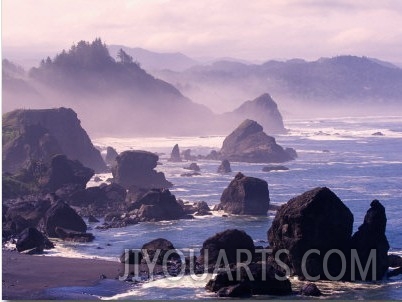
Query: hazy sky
point(248, 29)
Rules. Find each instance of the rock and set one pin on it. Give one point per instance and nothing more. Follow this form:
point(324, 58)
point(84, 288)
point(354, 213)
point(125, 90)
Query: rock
point(64, 171)
point(63, 216)
point(394, 260)
point(262, 109)
point(224, 167)
point(310, 289)
point(160, 247)
point(274, 168)
point(30, 211)
point(256, 278)
point(131, 257)
point(229, 241)
point(245, 196)
point(175, 155)
point(186, 154)
point(136, 168)
point(156, 205)
point(371, 235)
point(190, 174)
point(31, 238)
point(111, 155)
point(92, 219)
point(213, 155)
point(193, 167)
point(395, 272)
point(40, 134)
point(202, 209)
point(69, 235)
point(317, 219)
point(248, 143)
point(378, 133)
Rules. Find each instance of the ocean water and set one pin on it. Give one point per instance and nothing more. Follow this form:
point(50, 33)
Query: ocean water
point(341, 154)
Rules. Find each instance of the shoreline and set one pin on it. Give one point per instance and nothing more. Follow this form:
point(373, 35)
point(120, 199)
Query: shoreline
point(27, 277)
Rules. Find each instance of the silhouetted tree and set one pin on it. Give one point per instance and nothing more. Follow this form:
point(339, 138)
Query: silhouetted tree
point(124, 57)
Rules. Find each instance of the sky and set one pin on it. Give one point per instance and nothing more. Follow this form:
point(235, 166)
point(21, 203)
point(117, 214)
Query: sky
point(255, 30)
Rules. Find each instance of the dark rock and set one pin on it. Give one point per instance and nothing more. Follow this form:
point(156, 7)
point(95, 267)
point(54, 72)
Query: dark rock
point(238, 290)
point(159, 248)
point(371, 235)
point(175, 155)
point(69, 235)
point(395, 272)
point(274, 168)
point(202, 209)
point(248, 143)
point(317, 219)
point(63, 216)
point(156, 205)
point(378, 133)
point(31, 238)
point(41, 134)
point(92, 219)
point(213, 155)
point(245, 196)
point(30, 211)
point(229, 241)
point(111, 155)
point(310, 289)
point(190, 174)
point(394, 260)
point(224, 167)
point(193, 167)
point(64, 171)
point(97, 179)
point(136, 168)
point(131, 256)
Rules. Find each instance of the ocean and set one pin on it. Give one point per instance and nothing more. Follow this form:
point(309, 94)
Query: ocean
point(340, 153)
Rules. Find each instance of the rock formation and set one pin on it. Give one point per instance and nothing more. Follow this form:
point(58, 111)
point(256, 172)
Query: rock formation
point(136, 168)
point(110, 156)
point(175, 154)
point(40, 134)
point(224, 167)
point(248, 143)
point(30, 239)
point(245, 196)
point(317, 219)
point(371, 236)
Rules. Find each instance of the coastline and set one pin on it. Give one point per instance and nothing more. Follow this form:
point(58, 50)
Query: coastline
point(27, 277)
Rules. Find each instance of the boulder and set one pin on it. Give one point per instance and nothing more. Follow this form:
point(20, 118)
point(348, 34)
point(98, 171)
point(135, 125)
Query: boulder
point(371, 236)
point(69, 235)
point(175, 154)
point(256, 278)
point(224, 167)
point(310, 289)
point(394, 260)
point(274, 168)
point(316, 219)
point(110, 156)
point(131, 257)
point(248, 143)
point(63, 216)
point(230, 241)
point(31, 238)
point(158, 248)
point(193, 167)
point(136, 168)
point(31, 211)
point(245, 196)
point(156, 205)
point(202, 209)
point(40, 134)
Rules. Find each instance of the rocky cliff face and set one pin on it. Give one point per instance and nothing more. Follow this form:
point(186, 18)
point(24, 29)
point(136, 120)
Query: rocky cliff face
point(249, 143)
point(40, 134)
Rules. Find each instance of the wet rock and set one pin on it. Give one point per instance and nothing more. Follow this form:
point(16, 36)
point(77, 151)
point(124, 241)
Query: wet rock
point(274, 168)
point(186, 154)
point(92, 219)
point(111, 155)
point(161, 248)
point(378, 133)
point(229, 241)
point(394, 260)
point(193, 167)
point(245, 196)
point(224, 167)
point(310, 289)
point(190, 174)
point(371, 236)
point(316, 219)
point(69, 235)
point(31, 238)
point(202, 209)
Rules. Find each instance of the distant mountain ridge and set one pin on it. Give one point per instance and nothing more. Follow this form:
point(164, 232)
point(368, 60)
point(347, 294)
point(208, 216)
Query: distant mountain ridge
point(344, 79)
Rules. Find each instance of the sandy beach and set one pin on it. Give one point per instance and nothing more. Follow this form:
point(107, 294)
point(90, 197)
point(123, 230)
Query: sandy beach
point(26, 277)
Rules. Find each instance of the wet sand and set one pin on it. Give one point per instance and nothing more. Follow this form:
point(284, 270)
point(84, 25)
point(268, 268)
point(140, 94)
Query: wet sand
point(26, 277)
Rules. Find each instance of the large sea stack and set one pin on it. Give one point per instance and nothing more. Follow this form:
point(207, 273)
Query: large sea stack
point(249, 143)
point(40, 134)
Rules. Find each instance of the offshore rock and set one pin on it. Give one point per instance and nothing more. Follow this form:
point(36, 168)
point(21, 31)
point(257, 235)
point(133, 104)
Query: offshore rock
point(224, 167)
point(175, 155)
